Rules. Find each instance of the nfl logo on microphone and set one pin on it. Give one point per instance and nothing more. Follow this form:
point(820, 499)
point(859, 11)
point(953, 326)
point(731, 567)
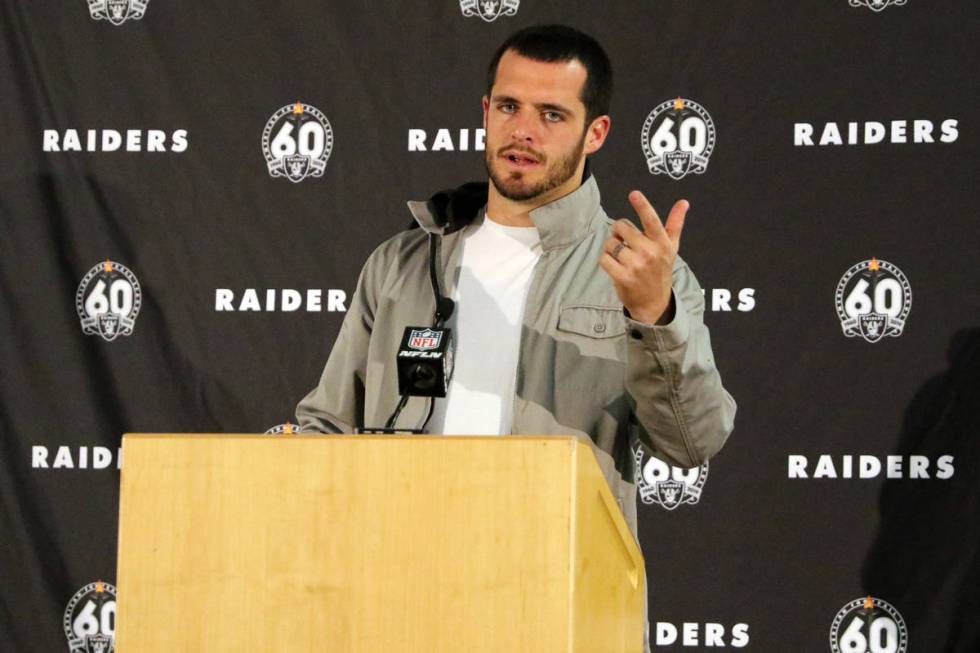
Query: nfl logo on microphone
point(424, 339)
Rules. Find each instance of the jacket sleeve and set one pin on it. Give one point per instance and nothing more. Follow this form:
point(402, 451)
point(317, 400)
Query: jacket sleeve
point(336, 404)
point(684, 413)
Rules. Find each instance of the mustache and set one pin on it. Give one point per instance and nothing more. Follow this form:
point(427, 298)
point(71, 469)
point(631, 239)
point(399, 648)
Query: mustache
point(514, 147)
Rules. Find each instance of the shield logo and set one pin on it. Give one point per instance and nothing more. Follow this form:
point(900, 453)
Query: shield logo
point(670, 493)
point(99, 644)
point(117, 11)
point(678, 163)
point(872, 326)
point(297, 167)
point(489, 9)
point(876, 5)
point(424, 339)
point(109, 325)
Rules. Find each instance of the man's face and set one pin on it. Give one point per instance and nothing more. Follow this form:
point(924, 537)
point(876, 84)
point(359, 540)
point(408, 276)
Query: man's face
point(535, 128)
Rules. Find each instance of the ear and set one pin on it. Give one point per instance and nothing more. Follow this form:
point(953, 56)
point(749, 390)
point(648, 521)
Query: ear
point(486, 108)
point(596, 134)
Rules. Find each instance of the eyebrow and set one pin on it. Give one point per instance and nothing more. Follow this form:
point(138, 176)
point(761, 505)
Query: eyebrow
point(543, 106)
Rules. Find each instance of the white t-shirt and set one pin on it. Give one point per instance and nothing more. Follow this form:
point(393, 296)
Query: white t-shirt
point(495, 273)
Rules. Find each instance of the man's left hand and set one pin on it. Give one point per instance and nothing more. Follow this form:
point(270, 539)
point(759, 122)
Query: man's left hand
point(641, 263)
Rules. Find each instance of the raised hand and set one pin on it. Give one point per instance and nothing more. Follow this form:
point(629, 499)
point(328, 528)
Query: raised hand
point(641, 263)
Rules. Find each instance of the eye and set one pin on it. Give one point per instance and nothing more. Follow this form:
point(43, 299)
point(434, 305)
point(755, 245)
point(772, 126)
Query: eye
point(553, 116)
point(507, 107)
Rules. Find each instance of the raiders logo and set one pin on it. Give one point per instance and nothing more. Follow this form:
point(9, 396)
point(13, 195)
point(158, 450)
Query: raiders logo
point(678, 136)
point(297, 141)
point(117, 12)
point(876, 5)
point(869, 625)
point(108, 300)
point(873, 300)
point(90, 619)
point(287, 428)
point(666, 485)
point(489, 10)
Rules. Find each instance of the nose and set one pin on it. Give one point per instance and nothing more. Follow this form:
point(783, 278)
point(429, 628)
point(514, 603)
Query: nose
point(521, 135)
point(522, 128)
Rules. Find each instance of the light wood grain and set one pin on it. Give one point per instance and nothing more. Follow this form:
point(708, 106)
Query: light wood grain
point(360, 544)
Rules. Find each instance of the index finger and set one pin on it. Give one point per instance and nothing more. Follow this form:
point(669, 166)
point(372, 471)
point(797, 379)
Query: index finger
point(652, 226)
point(675, 221)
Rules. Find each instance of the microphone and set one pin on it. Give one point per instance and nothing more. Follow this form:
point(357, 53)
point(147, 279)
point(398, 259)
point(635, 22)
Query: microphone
point(425, 361)
point(425, 368)
point(444, 309)
point(425, 355)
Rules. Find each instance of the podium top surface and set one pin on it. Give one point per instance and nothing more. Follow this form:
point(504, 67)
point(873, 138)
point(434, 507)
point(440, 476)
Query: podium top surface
point(351, 436)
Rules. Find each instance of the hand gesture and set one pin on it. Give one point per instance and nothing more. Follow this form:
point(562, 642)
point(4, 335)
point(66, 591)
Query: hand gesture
point(641, 263)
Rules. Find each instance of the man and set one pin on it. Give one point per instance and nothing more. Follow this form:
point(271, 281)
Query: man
point(566, 322)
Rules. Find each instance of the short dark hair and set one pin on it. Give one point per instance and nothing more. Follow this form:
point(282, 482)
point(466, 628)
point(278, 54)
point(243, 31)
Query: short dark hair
point(559, 43)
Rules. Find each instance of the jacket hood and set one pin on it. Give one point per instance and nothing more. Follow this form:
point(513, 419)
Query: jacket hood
point(452, 209)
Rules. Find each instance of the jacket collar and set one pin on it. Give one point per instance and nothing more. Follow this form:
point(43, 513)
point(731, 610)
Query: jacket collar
point(561, 222)
point(568, 219)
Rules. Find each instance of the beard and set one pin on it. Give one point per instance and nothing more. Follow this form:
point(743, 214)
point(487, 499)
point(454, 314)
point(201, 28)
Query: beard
point(513, 186)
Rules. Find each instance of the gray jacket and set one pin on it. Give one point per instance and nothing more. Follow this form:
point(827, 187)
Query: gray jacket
point(584, 367)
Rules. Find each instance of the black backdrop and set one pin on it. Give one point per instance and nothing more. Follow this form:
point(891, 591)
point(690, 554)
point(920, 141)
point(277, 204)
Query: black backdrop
point(764, 556)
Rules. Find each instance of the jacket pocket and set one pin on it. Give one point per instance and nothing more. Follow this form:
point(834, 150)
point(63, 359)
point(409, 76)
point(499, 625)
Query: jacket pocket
point(590, 354)
point(592, 321)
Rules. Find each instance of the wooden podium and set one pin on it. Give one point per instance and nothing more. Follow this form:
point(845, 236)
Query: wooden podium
point(373, 544)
